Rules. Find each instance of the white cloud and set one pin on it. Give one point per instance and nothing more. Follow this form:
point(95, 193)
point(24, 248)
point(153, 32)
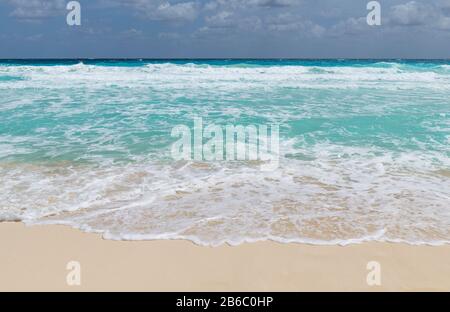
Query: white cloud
point(274, 3)
point(412, 13)
point(227, 16)
point(350, 26)
point(160, 10)
point(226, 20)
point(427, 15)
point(186, 11)
point(36, 9)
point(293, 23)
point(249, 4)
point(222, 19)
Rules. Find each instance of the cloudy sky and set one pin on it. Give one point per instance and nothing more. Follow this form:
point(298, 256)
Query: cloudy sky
point(225, 28)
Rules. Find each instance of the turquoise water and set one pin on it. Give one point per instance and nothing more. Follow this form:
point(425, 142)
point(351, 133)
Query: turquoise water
point(364, 149)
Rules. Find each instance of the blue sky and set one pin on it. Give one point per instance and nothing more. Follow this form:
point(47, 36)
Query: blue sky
point(225, 29)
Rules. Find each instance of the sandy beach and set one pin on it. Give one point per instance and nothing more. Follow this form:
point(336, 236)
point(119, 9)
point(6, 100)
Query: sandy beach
point(35, 259)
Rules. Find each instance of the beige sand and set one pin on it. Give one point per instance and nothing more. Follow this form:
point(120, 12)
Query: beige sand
point(35, 258)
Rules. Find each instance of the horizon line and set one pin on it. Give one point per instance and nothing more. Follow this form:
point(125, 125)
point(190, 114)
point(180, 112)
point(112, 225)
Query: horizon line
point(215, 58)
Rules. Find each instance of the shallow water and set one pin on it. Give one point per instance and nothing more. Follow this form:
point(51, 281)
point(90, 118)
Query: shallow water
point(364, 149)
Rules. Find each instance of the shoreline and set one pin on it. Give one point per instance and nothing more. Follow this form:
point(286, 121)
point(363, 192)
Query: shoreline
point(35, 258)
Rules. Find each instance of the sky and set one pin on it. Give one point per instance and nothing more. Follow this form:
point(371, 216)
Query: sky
point(225, 29)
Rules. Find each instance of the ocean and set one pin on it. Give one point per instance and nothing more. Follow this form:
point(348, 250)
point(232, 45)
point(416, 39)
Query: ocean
point(364, 149)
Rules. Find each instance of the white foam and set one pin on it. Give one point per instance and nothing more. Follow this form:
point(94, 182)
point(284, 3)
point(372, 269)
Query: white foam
point(173, 76)
point(329, 200)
